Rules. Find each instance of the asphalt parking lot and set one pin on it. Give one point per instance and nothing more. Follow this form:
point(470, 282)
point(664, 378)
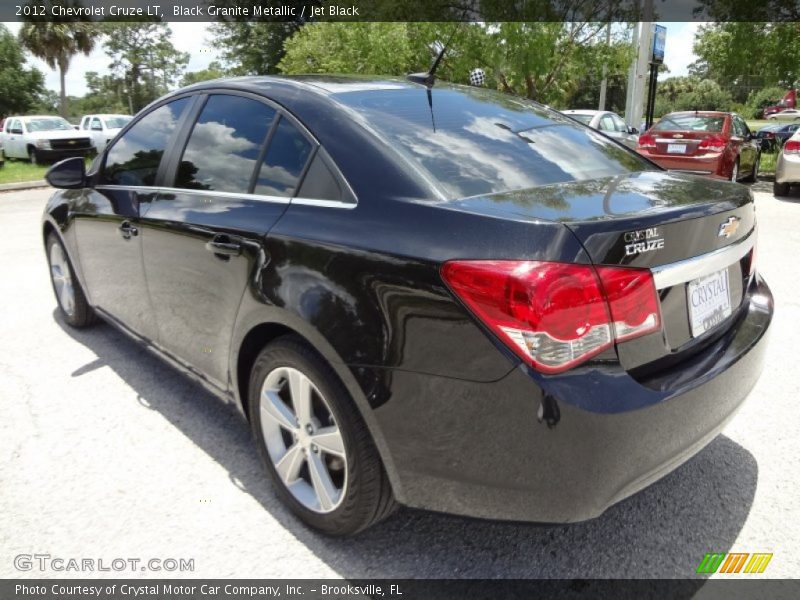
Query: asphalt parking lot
point(106, 452)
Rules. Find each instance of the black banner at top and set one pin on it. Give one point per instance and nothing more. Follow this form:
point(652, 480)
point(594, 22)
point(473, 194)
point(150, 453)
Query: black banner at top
point(402, 10)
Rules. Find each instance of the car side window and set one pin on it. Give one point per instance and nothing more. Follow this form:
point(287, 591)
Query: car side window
point(134, 158)
point(284, 162)
point(225, 144)
point(320, 182)
point(619, 124)
point(96, 125)
point(607, 123)
point(738, 128)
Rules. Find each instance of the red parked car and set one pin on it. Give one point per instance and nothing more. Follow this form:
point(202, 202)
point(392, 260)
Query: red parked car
point(712, 143)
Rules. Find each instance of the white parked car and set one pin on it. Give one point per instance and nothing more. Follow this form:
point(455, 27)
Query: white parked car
point(787, 170)
point(103, 128)
point(608, 123)
point(42, 138)
point(790, 114)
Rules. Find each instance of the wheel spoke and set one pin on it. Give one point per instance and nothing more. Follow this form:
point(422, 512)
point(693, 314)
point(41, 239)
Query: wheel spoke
point(300, 388)
point(329, 440)
point(326, 492)
point(274, 408)
point(288, 467)
point(66, 296)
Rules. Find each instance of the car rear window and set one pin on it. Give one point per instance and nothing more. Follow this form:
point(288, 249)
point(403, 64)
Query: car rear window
point(689, 123)
point(471, 141)
point(585, 119)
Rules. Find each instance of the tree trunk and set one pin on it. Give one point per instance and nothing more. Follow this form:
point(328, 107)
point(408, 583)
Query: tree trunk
point(63, 65)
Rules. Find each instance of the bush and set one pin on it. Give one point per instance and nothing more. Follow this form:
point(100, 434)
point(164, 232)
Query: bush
point(757, 101)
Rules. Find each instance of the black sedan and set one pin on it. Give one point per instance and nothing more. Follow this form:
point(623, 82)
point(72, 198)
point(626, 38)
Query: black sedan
point(773, 136)
point(450, 299)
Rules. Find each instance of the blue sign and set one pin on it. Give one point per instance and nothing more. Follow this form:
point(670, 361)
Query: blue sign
point(659, 41)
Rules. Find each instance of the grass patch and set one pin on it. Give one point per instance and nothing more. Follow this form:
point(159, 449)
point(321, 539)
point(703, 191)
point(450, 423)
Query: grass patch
point(15, 171)
point(768, 162)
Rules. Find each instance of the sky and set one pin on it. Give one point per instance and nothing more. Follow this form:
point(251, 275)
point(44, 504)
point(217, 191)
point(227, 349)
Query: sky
point(194, 38)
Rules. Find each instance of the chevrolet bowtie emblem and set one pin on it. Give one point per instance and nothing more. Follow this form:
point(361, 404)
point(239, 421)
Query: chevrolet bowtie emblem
point(72, 142)
point(729, 227)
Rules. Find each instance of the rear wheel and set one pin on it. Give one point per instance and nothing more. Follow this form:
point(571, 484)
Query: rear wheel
point(780, 189)
point(70, 297)
point(753, 176)
point(313, 441)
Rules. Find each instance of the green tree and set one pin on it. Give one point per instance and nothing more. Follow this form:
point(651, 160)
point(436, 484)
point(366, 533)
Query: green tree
point(20, 85)
point(56, 40)
point(144, 59)
point(252, 47)
point(213, 71)
point(743, 57)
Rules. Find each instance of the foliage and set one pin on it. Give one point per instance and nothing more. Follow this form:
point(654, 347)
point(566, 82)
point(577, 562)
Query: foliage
point(547, 62)
point(690, 93)
point(213, 71)
point(743, 57)
point(20, 85)
point(144, 60)
point(758, 100)
point(56, 40)
point(252, 47)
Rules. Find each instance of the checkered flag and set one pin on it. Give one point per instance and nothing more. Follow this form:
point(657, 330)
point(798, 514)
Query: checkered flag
point(477, 77)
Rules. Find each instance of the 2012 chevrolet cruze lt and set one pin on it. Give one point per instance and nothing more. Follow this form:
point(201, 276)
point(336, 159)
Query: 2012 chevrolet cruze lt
point(460, 301)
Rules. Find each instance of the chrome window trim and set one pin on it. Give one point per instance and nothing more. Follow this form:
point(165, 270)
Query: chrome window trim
point(690, 269)
point(239, 195)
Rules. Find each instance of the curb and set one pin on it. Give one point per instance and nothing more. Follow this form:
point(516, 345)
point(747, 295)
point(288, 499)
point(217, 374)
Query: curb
point(23, 185)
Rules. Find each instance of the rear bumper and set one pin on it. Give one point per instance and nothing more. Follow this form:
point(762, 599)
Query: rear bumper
point(713, 164)
point(486, 450)
point(788, 169)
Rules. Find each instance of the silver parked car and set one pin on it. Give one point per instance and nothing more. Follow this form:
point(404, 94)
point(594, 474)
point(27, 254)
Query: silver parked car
point(608, 123)
point(787, 171)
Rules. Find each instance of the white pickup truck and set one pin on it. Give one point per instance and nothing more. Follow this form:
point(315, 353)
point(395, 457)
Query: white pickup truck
point(42, 138)
point(103, 128)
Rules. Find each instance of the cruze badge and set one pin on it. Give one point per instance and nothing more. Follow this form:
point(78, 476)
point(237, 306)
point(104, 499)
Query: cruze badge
point(729, 227)
point(643, 240)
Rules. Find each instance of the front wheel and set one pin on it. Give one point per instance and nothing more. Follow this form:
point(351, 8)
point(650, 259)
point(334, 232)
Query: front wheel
point(70, 297)
point(313, 441)
point(33, 156)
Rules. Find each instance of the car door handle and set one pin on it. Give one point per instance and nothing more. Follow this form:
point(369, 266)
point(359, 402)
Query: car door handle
point(127, 230)
point(222, 245)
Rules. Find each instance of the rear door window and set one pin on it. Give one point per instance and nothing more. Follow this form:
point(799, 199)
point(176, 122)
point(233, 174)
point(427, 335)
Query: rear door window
point(225, 144)
point(284, 162)
point(607, 123)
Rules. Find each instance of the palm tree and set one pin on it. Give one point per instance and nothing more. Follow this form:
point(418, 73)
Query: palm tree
point(56, 42)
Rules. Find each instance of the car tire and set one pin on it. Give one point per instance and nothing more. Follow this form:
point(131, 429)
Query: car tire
point(780, 189)
point(753, 176)
point(339, 487)
point(735, 171)
point(72, 303)
point(33, 157)
point(2, 159)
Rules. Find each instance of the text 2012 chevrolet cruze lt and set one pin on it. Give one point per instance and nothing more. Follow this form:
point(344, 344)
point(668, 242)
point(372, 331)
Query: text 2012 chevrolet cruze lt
point(462, 302)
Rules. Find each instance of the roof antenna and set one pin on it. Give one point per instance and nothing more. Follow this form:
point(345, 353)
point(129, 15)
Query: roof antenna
point(428, 79)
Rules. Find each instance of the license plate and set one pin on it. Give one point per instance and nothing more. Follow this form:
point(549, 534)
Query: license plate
point(676, 148)
point(709, 300)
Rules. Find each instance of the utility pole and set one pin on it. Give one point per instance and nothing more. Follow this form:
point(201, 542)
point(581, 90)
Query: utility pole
point(604, 82)
point(637, 78)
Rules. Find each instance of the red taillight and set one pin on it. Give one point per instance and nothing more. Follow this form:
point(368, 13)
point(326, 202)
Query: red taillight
point(714, 142)
point(791, 147)
point(555, 315)
point(647, 141)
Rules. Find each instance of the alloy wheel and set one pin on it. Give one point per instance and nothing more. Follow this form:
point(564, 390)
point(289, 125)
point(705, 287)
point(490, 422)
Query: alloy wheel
point(62, 279)
point(303, 440)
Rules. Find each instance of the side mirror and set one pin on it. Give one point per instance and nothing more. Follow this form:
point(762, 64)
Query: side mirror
point(67, 174)
point(633, 130)
point(15, 131)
